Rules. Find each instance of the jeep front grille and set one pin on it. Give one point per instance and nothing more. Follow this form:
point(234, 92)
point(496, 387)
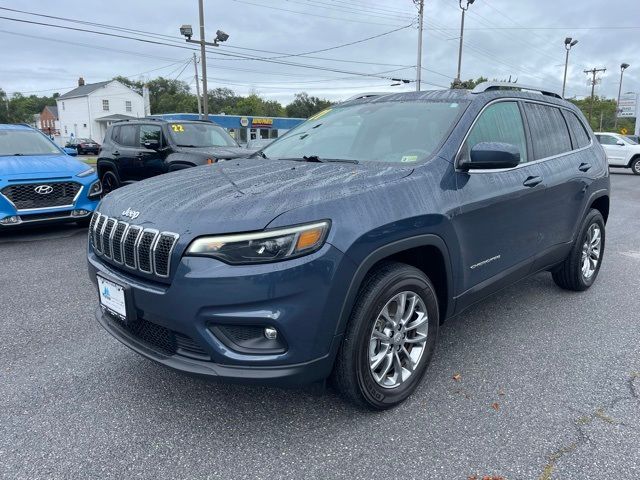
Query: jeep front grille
point(27, 196)
point(142, 249)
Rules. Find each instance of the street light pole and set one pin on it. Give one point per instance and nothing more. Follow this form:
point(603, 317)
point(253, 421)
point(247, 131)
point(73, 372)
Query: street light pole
point(568, 43)
point(195, 66)
point(419, 63)
point(464, 9)
point(623, 67)
point(203, 59)
point(187, 31)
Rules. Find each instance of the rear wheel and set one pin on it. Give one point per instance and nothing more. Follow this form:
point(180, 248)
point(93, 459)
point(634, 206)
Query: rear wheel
point(109, 182)
point(635, 166)
point(581, 267)
point(390, 338)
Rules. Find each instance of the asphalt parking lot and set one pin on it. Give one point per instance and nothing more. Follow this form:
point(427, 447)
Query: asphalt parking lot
point(548, 387)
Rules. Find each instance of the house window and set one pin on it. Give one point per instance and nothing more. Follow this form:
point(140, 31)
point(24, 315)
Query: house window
point(62, 105)
point(127, 105)
point(105, 105)
point(84, 125)
point(65, 130)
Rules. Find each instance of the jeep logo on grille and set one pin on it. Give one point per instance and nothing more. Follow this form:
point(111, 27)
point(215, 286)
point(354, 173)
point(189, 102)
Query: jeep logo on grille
point(132, 214)
point(43, 189)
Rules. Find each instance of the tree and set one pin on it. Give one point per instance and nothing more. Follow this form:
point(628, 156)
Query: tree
point(304, 106)
point(603, 117)
point(222, 100)
point(20, 108)
point(469, 84)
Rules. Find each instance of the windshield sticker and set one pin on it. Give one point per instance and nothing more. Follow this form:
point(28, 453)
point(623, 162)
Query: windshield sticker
point(409, 158)
point(176, 127)
point(320, 114)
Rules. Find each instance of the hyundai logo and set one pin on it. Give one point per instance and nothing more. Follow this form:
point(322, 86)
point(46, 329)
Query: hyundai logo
point(132, 214)
point(43, 189)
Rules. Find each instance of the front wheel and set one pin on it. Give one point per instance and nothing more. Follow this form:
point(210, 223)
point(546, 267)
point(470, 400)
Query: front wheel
point(635, 166)
point(109, 182)
point(580, 269)
point(390, 338)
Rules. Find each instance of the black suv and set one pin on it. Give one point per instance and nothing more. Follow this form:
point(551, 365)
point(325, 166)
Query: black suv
point(137, 149)
point(340, 248)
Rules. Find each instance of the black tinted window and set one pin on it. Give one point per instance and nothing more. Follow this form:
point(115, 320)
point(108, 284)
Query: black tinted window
point(127, 136)
point(150, 133)
point(500, 122)
point(577, 128)
point(549, 132)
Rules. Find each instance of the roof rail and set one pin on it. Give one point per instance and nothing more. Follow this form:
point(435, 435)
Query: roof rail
point(360, 96)
point(487, 86)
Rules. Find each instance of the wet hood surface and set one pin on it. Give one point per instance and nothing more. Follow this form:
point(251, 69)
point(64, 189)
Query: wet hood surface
point(24, 167)
point(241, 195)
point(220, 152)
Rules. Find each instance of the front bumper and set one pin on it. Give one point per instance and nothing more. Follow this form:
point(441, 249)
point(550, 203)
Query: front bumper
point(178, 324)
point(79, 209)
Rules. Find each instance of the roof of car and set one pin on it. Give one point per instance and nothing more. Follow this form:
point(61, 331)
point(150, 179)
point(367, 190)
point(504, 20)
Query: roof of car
point(14, 126)
point(491, 90)
point(161, 120)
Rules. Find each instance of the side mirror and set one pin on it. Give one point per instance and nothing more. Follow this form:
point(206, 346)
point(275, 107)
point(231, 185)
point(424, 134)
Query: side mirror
point(620, 143)
point(71, 151)
point(152, 144)
point(492, 155)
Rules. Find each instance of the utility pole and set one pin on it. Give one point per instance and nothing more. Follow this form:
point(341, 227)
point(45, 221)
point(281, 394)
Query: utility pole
point(593, 72)
point(187, 31)
point(203, 59)
point(195, 67)
point(623, 67)
point(464, 9)
point(420, 23)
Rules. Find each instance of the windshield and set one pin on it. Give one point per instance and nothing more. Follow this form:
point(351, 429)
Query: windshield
point(632, 140)
point(201, 135)
point(400, 132)
point(25, 142)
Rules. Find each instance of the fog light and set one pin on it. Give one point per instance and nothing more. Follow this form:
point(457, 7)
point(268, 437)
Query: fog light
point(270, 333)
point(12, 221)
point(80, 213)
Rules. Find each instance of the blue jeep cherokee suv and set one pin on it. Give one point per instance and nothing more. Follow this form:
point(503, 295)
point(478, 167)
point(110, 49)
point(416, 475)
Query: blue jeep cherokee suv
point(40, 183)
point(339, 249)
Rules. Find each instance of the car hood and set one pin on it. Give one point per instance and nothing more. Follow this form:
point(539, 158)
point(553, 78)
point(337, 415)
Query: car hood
point(240, 195)
point(221, 152)
point(38, 166)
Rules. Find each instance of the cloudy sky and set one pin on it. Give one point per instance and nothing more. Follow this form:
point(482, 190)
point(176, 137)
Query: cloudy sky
point(503, 38)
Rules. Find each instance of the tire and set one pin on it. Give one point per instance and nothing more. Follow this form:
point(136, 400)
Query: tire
point(352, 374)
point(570, 274)
point(635, 166)
point(109, 182)
point(80, 151)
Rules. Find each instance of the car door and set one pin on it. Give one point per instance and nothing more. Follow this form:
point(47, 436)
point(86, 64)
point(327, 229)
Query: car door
point(498, 223)
point(615, 149)
point(125, 148)
point(563, 171)
point(150, 162)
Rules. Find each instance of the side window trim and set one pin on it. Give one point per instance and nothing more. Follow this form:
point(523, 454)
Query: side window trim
point(527, 132)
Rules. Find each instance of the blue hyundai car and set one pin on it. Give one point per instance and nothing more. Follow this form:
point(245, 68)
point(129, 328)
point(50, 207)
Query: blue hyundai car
point(40, 182)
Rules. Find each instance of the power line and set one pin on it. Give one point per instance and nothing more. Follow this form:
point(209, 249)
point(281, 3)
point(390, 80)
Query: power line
point(271, 7)
point(184, 47)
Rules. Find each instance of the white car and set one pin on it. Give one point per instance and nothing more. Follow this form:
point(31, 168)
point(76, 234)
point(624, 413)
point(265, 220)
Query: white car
point(621, 151)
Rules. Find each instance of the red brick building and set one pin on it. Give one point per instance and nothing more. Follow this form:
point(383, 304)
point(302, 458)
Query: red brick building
point(49, 123)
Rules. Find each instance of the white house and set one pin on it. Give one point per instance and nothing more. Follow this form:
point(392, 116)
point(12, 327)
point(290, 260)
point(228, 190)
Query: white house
point(87, 111)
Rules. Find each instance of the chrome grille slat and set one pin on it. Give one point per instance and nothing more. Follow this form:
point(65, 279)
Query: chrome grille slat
point(145, 250)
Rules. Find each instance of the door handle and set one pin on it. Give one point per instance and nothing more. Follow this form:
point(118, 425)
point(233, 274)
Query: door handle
point(584, 167)
point(139, 154)
point(116, 153)
point(532, 181)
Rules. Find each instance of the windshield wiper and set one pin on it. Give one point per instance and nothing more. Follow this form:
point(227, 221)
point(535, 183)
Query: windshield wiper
point(317, 159)
point(259, 153)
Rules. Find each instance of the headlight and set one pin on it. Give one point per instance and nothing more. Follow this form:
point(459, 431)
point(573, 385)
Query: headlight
point(95, 189)
point(87, 172)
point(261, 247)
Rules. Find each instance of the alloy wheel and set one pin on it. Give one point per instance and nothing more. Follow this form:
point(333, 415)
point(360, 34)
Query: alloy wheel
point(591, 250)
point(398, 339)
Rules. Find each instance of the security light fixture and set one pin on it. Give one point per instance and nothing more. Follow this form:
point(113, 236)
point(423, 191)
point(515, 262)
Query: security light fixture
point(221, 37)
point(624, 66)
point(186, 31)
